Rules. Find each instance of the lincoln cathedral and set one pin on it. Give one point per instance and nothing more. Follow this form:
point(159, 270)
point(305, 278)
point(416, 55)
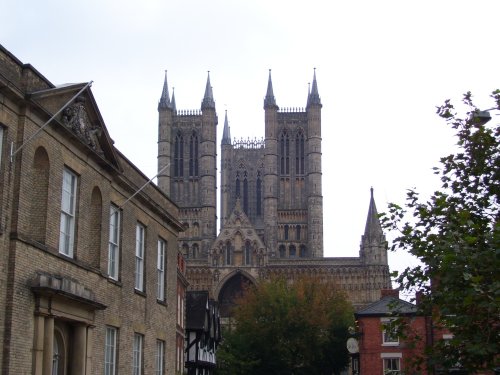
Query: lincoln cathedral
point(271, 201)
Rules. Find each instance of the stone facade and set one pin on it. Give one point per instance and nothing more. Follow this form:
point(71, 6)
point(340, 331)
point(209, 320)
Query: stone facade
point(80, 282)
point(271, 202)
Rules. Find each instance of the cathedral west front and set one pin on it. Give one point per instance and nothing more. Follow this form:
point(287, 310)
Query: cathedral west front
point(271, 202)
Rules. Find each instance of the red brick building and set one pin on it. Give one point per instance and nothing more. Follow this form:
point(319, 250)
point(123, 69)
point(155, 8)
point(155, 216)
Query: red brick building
point(381, 349)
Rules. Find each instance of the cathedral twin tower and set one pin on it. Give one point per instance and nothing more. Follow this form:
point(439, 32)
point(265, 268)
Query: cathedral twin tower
point(275, 182)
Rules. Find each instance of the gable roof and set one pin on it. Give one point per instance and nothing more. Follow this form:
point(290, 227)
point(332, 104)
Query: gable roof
point(388, 306)
point(80, 116)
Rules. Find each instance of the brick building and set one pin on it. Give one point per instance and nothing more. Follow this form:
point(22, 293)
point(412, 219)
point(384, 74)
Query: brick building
point(89, 270)
point(381, 349)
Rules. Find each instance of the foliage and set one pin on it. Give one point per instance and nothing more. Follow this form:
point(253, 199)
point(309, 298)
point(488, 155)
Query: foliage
point(456, 236)
point(288, 328)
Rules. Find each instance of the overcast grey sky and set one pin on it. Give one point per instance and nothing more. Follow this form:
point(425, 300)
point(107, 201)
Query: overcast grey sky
point(382, 68)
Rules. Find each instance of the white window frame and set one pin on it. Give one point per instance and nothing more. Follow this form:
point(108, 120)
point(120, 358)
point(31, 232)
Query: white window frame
point(110, 351)
point(137, 354)
point(388, 363)
point(388, 338)
point(139, 257)
point(114, 243)
point(160, 357)
point(68, 213)
point(160, 270)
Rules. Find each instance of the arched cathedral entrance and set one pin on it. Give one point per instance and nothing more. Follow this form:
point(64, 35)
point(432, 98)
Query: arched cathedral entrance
point(230, 291)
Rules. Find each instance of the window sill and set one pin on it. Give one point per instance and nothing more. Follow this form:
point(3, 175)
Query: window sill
point(161, 302)
point(390, 344)
point(140, 292)
point(114, 281)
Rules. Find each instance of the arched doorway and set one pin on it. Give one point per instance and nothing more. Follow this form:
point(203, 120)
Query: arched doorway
point(232, 289)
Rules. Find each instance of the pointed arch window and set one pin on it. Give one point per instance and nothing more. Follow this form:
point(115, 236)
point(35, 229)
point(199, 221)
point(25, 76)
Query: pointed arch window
point(303, 251)
point(286, 232)
point(284, 153)
point(238, 187)
point(292, 251)
point(248, 253)
point(258, 208)
point(299, 153)
point(228, 253)
point(297, 232)
point(178, 156)
point(245, 194)
point(193, 155)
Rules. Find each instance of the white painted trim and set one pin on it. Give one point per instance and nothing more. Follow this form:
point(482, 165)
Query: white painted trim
point(391, 355)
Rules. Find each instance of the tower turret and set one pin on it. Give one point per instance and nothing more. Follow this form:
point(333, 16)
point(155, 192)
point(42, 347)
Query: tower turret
point(226, 156)
point(373, 248)
point(165, 121)
point(271, 169)
point(208, 167)
point(314, 174)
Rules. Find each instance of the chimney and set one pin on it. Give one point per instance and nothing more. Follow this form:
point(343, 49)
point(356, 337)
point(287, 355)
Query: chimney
point(389, 293)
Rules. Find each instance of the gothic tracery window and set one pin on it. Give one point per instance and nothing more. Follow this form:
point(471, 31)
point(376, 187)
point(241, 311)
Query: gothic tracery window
point(258, 208)
point(178, 156)
point(284, 153)
point(245, 194)
point(299, 153)
point(193, 155)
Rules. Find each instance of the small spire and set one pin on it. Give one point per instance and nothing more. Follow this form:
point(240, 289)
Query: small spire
point(226, 133)
point(373, 229)
point(314, 94)
point(165, 98)
point(173, 106)
point(208, 100)
point(270, 101)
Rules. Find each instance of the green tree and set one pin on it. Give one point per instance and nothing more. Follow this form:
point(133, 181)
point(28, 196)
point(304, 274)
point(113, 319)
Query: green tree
point(456, 236)
point(288, 328)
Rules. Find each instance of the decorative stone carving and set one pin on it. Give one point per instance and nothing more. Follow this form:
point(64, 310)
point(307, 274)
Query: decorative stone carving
point(76, 119)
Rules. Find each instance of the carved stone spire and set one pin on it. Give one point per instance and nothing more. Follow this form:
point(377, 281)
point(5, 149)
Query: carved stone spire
point(208, 100)
point(314, 98)
point(270, 101)
point(173, 106)
point(226, 133)
point(373, 229)
point(165, 98)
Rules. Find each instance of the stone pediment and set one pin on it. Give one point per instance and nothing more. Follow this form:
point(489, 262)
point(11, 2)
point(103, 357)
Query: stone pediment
point(81, 118)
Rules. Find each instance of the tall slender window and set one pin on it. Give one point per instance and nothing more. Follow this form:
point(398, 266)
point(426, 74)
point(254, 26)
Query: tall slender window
point(114, 244)
point(282, 251)
point(228, 253)
point(110, 351)
point(139, 257)
point(284, 153)
point(286, 232)
point(238, 188)
point(68, 211)
point(193, 155)
point(299, 153)
point(292, 251)
point(160, 270)
point(137, 354)
point(245, 195)
point(297, 232)
point(160, 357)
point(259, 195)
point(248, 253)
point(178, 156)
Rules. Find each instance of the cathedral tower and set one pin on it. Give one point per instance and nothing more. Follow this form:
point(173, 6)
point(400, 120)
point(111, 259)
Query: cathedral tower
point(187, 166)
point(314, 183)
